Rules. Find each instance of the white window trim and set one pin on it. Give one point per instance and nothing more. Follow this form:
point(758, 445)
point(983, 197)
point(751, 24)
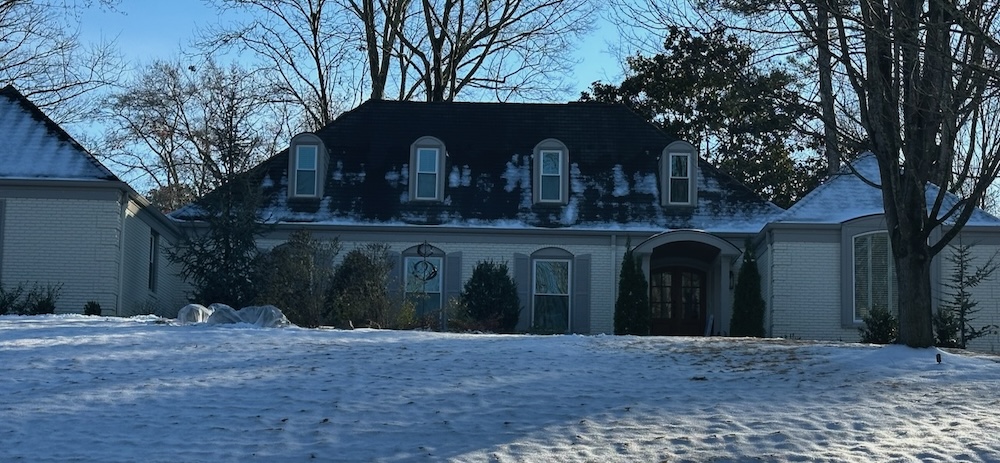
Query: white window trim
point(568, 294)
point(436, 172)
point(298, 171)
point(671, 177)
point(427, 142)
point(854, 273)
point(561, 156)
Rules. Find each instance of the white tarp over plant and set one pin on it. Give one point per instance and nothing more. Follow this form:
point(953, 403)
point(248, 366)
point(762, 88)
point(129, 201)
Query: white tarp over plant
point(263, 316)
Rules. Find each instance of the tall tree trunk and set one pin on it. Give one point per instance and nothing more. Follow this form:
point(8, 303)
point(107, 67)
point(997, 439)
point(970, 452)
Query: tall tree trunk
point(824, 62)
point(913, 270)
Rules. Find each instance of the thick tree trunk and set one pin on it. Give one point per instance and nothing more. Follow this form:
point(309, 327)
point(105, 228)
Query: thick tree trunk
point(913, 277)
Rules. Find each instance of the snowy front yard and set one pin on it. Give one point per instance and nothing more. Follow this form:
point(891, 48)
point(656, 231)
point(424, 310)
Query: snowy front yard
point(76, 388)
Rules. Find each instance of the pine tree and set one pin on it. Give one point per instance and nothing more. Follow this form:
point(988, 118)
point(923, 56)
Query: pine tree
point(632, 311)
point(954, 317)
point(219, 261)
point(748, 304)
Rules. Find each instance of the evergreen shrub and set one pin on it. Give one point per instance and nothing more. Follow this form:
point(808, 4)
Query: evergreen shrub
point(490, 298)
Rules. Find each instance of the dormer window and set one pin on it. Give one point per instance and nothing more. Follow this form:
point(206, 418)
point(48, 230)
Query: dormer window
point(678, 171)
point(305, 170)
point(427, 173)
point(680, 178)
point(427, 162)
point(551, 172)
point(306, 166)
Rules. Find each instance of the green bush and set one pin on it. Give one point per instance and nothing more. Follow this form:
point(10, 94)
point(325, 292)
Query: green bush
point(12, 300)
point(358, 294)
point(946, 328)
point(880, 327)
point(490, 298)
point(92, 308)
point(295, 277)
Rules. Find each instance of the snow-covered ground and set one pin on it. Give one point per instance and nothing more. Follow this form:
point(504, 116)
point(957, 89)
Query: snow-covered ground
point(76, 388)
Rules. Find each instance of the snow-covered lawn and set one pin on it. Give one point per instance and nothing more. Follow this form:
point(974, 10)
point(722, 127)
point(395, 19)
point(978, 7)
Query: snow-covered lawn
point(76, 388)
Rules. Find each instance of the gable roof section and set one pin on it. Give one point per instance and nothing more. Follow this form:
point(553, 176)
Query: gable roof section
point(613, 156)
point(35, 147)
point(845, 197)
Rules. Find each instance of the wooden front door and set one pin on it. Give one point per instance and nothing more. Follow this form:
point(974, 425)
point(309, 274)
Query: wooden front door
point(677, 299)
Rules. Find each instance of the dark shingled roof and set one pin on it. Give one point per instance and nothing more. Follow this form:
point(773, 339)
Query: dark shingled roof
point(613, 154)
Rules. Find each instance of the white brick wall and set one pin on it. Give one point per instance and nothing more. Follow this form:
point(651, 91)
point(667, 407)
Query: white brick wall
point(604, 284)
point(67, 241)
point(805, 292)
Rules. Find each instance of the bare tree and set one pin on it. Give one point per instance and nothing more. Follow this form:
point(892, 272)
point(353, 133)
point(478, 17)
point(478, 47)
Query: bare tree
point(510, 48)
point(410, 49)
point(303, 48)
point(921, 75)
point(41, 54)
point(188, 130)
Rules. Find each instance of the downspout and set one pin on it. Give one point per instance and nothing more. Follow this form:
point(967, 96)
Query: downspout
point(770, 285)
point(615, 271)
point(121, 254)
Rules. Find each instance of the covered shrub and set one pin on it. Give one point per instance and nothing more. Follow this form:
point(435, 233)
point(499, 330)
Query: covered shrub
point(490, 298)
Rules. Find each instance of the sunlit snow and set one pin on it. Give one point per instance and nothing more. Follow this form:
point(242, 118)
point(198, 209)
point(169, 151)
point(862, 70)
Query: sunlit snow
point(98, 389)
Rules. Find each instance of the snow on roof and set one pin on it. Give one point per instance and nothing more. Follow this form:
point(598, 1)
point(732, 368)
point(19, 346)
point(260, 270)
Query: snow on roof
point(612, 172)
point(35, 147)
point(845, 197)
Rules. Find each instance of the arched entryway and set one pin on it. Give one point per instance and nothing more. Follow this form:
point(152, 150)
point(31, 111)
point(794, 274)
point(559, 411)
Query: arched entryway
point(689, 275)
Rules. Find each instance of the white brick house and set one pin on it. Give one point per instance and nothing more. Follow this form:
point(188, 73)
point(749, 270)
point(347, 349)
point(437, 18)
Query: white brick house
point(67, 220)
point(557, 191)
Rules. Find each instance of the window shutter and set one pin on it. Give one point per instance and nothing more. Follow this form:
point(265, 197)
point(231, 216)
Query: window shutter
point(522, 276)
point(396, 276)
point(452, 277)
point(581, 295)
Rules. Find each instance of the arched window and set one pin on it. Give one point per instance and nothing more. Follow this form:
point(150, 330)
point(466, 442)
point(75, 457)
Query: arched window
point(427, 159)
point(423, 273)
point(550, 179)
point(307, 161)
point(874, 274)
point(678, 175)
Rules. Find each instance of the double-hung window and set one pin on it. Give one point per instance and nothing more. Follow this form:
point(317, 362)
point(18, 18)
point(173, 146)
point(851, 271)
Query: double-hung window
point(306, 162)
point(550, 294)
point(550, 182)
point(680, 178)
point(874, 274)
point(427, 173)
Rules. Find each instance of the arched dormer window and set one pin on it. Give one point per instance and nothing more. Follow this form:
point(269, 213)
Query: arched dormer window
point(307, 162)
point(678, 175)
point(427, 159)
point(550, 167)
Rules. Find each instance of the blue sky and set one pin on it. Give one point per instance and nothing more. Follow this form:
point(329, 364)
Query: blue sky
point(147, 30)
